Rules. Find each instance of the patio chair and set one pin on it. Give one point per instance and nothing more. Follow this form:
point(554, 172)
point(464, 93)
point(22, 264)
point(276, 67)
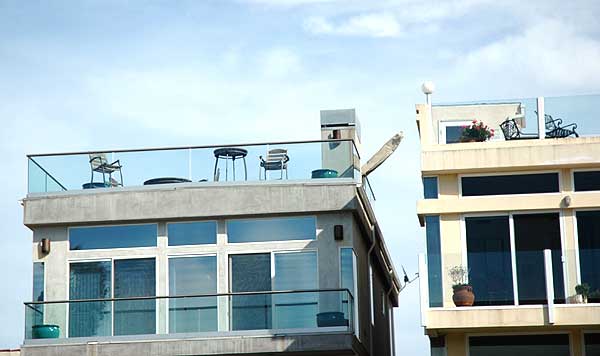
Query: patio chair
point(511, 131)
point(99, 164)
point(276, 160)
point(554, 128)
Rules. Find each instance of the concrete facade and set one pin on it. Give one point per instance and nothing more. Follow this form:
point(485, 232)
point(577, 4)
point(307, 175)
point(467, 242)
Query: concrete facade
point(449, 163)
point(331, 201)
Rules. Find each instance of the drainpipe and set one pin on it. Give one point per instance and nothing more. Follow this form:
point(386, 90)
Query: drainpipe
point(391, 311)
point(371, 299)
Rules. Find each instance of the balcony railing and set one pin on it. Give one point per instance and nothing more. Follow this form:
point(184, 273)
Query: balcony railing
point(277, 312)
point(300, 160)
point(574, 112)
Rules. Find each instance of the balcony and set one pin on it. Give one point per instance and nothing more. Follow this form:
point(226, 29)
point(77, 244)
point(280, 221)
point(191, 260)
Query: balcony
point(207, 317)
point(274, 162)
point(443, 150)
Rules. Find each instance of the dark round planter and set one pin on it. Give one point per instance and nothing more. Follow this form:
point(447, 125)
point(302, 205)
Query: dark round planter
point(324, 173)
point(463, 296)
point(95, 185)
point(45, 331)
point(331, 319)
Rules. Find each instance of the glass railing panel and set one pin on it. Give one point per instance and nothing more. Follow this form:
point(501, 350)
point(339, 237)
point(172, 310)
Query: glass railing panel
point(572, 115)
point(301, 161)
point(449, 119)
point(300, 310)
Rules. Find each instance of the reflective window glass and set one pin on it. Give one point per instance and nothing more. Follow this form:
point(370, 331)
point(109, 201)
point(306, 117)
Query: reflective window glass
point(192, 233)
point(120, 236)
point(275, 229)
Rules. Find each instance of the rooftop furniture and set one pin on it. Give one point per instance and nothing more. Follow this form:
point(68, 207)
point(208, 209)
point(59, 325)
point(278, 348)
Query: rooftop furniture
point(554, 128)
point(166, 180)
point(324, 173)
point(99, 164)
point(511, 131)
point(276, 160)
point(230, 153)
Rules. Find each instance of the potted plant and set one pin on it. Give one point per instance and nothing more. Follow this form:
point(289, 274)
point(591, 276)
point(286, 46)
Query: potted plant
point(476, 132)
point(463, 292)
point(583, 291)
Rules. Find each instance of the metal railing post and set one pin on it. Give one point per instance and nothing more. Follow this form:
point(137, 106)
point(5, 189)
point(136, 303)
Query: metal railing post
point(541, 118)
point(549, 284)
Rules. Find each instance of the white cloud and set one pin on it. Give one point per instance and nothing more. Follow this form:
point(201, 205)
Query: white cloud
point(280, 62)
point(372, 25)
point(548, 58)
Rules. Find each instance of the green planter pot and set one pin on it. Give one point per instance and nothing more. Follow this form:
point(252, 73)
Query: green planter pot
point(324, 173)
point(45, 331)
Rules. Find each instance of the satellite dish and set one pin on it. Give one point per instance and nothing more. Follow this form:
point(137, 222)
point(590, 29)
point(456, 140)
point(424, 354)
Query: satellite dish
point(384, 152)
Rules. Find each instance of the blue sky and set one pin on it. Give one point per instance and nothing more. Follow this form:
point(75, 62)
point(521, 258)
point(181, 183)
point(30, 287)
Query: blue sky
point(122, 74)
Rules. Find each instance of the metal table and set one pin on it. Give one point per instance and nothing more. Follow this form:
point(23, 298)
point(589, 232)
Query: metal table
point(230, 153)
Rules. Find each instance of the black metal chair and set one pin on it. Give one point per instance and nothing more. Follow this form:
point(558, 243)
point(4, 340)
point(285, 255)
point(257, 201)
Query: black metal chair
point(511, 131)
point(554, 128)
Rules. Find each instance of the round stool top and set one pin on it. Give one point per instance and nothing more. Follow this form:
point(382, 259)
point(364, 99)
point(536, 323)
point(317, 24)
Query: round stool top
point(230, 152)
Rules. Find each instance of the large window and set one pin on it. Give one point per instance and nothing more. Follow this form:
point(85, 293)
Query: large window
point(489, 260)
point(588, 233)
point(38, 295)
point(510, 184)
point(451, 131)
point(121, 236)
point(190, 276)
point(491, 265)
point(533, 234)
point(291, 271)
point(135, 278)
point(592, 344)
point(530, 345)
point(192, 233)
point(275, 229)
point(348, 281)
point(90, 280)
point(587, 181)
point(434, 260)
point(430, 187)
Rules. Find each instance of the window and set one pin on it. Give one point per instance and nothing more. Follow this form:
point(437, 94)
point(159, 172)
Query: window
point(38, 295)
point(437, 345)
point(510, 184)
point(188, 276)
point(533, 234)
point(430, 187)
point(592, 344)
point(90, 280)
point(121, 236)
point(586, 181)
point(250, 273)
point(489, 259)
point(348, 281)
point(451, 131)
point(135, 278)
point(274, 229)
point(434, 260)
point(291, 271)
point(530, 345)
point(588, 234)
point(192, 233)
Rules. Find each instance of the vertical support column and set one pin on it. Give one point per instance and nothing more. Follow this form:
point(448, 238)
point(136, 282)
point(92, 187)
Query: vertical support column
point(423, 289)
point(541, 118)
point(223, 274)
point(549, 284)
point(162, 289)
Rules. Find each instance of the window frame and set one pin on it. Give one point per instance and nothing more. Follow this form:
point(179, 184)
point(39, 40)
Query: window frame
point(437, 184)
point(444, 124)
point(513, 251)
point(511, 173)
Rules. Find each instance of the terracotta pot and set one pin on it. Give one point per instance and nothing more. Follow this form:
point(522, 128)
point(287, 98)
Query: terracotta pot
point(463, 296)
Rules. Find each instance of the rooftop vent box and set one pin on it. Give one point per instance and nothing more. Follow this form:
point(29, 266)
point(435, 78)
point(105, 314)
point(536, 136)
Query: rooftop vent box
point(342, 118)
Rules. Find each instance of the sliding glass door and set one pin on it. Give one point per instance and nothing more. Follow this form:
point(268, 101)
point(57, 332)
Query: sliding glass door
point(250, 273)
point(135, 278)
point(188, 276)
point(90, 280)
point(489, 259)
